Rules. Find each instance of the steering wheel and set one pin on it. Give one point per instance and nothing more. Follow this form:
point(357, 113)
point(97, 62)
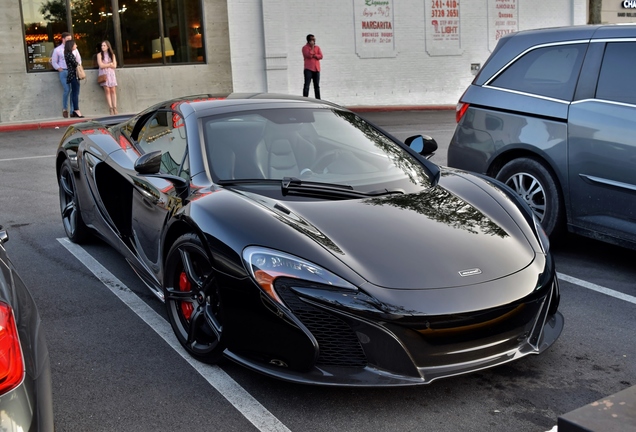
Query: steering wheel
point(323, 161)
point(306, 173)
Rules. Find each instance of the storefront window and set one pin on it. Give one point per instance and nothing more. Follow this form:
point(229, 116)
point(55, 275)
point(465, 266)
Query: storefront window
point(182, 25)
point(92, 23)
point(139, 27)
point(44, 22)
point(134, 32)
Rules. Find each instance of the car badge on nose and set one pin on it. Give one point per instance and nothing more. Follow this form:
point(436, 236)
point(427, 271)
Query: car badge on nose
point(469, 272)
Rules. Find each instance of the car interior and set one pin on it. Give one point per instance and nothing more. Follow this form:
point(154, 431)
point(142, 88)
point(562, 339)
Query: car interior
point(257, 150)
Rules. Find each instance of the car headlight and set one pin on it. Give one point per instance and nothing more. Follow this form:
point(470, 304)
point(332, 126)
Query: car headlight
point(265, 265)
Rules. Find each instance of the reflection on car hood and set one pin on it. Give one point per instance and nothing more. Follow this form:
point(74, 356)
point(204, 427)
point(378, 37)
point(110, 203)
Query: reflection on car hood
point(432, 239)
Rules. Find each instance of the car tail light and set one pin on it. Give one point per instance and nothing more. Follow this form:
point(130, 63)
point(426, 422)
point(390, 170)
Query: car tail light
point(460, 110)
point(11, 363)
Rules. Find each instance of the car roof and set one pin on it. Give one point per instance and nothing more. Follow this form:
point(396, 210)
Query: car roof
point(209, 103)
point(512, 45)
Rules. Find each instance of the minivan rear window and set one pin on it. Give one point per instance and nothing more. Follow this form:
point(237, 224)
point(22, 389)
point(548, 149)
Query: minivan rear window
point(550, 71)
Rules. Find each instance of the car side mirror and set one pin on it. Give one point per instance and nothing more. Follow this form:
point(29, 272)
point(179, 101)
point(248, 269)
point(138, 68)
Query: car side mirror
point(422, 144)
point(149, 163)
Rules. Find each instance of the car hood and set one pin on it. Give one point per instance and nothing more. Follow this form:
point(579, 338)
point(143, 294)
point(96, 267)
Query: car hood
point(451, 235)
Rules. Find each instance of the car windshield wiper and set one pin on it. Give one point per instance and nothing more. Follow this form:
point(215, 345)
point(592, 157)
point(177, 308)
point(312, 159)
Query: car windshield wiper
point(296, 186)
point(246, 181)
point(293, 185)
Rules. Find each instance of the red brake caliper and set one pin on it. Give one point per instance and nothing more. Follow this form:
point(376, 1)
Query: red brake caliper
point(184, 285)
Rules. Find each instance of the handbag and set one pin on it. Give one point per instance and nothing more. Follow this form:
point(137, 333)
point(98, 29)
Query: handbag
point(101, 79)
point(80, 72)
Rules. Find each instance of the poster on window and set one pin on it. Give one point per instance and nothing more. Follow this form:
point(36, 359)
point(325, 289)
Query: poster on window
point(442, 27)
point(374, 28)
point(503, 19)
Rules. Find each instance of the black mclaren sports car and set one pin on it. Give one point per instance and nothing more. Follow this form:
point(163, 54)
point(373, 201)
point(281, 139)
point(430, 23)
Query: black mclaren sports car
point(301, 241)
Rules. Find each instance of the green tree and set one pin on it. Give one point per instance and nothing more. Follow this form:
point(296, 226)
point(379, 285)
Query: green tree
point(54, 11)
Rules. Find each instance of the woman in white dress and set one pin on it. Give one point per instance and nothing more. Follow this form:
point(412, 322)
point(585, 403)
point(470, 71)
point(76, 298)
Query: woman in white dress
point(107, 64)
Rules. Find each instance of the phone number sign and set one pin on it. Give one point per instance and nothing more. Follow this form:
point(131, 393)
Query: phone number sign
point(442, 27)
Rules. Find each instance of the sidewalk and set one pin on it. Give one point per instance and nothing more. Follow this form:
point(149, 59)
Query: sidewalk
point(65, 122)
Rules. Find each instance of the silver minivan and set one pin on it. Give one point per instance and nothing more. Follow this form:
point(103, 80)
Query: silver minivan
point(552, 114)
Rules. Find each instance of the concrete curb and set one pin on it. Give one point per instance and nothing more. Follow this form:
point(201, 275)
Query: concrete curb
point(64, 123)
point(46, 124)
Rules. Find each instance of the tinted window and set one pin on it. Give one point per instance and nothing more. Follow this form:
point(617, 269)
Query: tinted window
point(617, 71)
point(550, 71)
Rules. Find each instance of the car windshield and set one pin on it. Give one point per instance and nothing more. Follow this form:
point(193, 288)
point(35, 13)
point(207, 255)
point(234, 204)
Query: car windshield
point(317, 145)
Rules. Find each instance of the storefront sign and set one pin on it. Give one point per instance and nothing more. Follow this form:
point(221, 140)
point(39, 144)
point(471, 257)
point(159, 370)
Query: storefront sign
point(503, 18)
point(442, 27)
point(39, 56)
point(374, 28)
point(629, 4)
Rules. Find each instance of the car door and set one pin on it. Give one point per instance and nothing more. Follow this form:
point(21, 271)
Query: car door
point(154, 197)
point(602, 148)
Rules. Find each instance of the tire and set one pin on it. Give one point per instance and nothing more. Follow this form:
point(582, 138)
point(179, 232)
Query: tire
point(76, 229)
point(537, 187)
point(192, 299)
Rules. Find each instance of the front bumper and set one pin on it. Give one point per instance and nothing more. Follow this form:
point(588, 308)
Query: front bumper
point(362, 349)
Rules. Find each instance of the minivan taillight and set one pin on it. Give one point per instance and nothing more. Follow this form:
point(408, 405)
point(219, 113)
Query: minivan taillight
point(460, 110)
point(11, 364)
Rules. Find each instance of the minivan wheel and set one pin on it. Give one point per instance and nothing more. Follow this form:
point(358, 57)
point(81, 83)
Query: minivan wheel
point(537, 187)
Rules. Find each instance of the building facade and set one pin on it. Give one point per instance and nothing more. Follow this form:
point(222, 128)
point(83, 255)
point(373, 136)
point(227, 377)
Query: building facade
point(618, 11)
point(376, 52)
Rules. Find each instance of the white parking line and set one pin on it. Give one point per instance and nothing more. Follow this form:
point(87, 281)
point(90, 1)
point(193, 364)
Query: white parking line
point(253, 411)
point(597, 288)
point(25, 157)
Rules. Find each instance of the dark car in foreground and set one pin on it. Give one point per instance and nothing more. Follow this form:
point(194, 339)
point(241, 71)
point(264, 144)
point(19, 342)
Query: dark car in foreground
point(301, 241)
point(26, 401)
point(553, 115)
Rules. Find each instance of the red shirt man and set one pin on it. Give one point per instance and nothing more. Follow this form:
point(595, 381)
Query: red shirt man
point(312, 54)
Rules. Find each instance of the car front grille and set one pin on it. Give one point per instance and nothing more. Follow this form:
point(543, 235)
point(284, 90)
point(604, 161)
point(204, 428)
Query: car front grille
point(338, 344)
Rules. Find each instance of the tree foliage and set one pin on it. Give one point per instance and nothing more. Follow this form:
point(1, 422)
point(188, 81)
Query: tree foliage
point(54, 11)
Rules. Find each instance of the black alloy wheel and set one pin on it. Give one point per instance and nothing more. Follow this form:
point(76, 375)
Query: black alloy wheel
point(192, 299)
point(76, 229)
point(532, 181)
